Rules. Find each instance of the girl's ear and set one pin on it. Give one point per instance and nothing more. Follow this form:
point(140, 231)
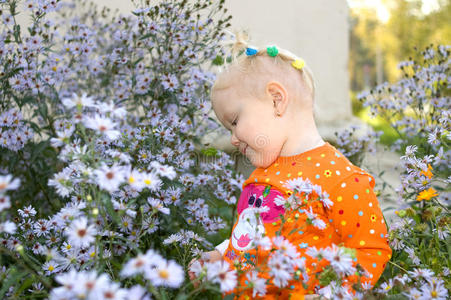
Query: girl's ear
point(279, 96)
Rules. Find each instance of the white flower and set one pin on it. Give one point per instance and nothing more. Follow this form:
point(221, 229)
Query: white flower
point(63, 137)
point(88, 283)
point(280, 269)
point(110, 107)
point(287, 203)
point(135, 265)
point(327, 291)
point(413, 294)
point(385, 287)
point(27, 212)
point(166, 273)
point(318, 223)
point(218, 272)
point(61, 181)
point(325, 200)
point(425, 273)
point(78, 101)
point(285, 247)
point(157, 204)
point(162, 170)
point(151, 181)
point(67, 280)
point(340, 261)
point(435, 289)
point(137, 292)
point(264, 242)
point(6, 183)
point(8, 227)
point(315, 253)
point(109, 178)
point(196, 267)
point(80, 234)
point(258, 284)
point(300, 185)
point(110, 291)
point(4, 202)
point(51, 267)
point(135, 179)
point(102, 125)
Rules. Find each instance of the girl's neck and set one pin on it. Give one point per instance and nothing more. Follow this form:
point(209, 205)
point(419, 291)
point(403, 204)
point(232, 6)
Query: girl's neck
point(301, 138)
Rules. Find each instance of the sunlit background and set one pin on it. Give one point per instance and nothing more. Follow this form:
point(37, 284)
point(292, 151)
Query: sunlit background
point(386, 32)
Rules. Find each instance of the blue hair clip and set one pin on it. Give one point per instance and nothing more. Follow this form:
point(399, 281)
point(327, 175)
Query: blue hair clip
point(251, 51)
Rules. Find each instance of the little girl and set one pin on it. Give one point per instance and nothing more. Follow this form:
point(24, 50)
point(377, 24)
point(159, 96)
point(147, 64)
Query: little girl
point(265, 98)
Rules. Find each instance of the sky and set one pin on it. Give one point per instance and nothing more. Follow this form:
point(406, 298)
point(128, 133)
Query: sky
point(382, 10)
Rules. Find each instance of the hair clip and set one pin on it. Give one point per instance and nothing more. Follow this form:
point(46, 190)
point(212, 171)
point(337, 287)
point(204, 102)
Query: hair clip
point(251, 51)
point(298, 63)
point(272, 51)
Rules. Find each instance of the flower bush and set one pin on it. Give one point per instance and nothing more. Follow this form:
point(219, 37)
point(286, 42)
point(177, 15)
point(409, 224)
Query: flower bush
point(107, 191)
point(101, 119)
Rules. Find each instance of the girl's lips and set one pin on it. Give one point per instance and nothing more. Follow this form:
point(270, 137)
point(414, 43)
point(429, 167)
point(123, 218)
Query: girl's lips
point(244, 150)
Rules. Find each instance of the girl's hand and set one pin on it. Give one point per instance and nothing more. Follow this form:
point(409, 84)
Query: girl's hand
point(210, 257)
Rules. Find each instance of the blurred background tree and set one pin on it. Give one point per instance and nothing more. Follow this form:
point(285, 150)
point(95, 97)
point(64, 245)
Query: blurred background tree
point(385, 32)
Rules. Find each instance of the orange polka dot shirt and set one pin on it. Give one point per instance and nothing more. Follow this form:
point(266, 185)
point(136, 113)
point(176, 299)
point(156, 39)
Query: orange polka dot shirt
point(354, 221)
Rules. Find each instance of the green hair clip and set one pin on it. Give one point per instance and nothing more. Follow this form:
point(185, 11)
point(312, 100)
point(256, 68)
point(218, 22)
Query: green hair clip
point(272, 51)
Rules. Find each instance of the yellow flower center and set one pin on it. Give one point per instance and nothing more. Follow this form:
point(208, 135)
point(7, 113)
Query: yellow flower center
point(164, 274)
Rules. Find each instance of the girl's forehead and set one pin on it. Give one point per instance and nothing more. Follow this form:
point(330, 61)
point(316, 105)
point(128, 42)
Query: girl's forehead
point(225, 106)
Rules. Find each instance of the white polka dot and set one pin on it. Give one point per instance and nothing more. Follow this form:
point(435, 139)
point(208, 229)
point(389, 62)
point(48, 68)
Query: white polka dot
point(343, 185)
point(317, 164)
point(372, 231)
point(382, 221)
point(338, 172)
point(348, 168)
point(370, 204)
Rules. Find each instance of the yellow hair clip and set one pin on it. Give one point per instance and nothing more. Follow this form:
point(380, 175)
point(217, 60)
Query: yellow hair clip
point(298, 63)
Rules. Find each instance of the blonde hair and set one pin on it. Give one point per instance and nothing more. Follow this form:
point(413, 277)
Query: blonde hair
point(262, 63)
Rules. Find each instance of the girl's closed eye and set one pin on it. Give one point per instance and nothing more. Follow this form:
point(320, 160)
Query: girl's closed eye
point(234, 122)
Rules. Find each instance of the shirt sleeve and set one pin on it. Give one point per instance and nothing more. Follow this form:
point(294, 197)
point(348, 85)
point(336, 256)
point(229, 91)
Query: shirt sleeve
point(222, 247)
point(357, 218)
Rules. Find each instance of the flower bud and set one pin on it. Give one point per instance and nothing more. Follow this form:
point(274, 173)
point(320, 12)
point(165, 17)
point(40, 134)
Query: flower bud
point(402, 213)
point(421, 227)
point(410, 212)
point(19, 248)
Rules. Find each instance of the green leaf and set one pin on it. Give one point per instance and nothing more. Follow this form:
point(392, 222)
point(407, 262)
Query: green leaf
point(27, 283)
point(182, 297)
point(13, 278)
point(218, 61)
point(229, 297)
point(210, 151)
point(293, 231)
point(266, 191)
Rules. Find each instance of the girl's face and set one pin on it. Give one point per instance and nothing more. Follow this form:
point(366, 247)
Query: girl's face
point(255, 129)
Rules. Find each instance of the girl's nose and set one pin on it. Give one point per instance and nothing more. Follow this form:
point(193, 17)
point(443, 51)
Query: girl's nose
point(234, 141)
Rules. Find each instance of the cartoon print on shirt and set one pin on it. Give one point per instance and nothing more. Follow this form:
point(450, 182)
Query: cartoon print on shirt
point(255, 207)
